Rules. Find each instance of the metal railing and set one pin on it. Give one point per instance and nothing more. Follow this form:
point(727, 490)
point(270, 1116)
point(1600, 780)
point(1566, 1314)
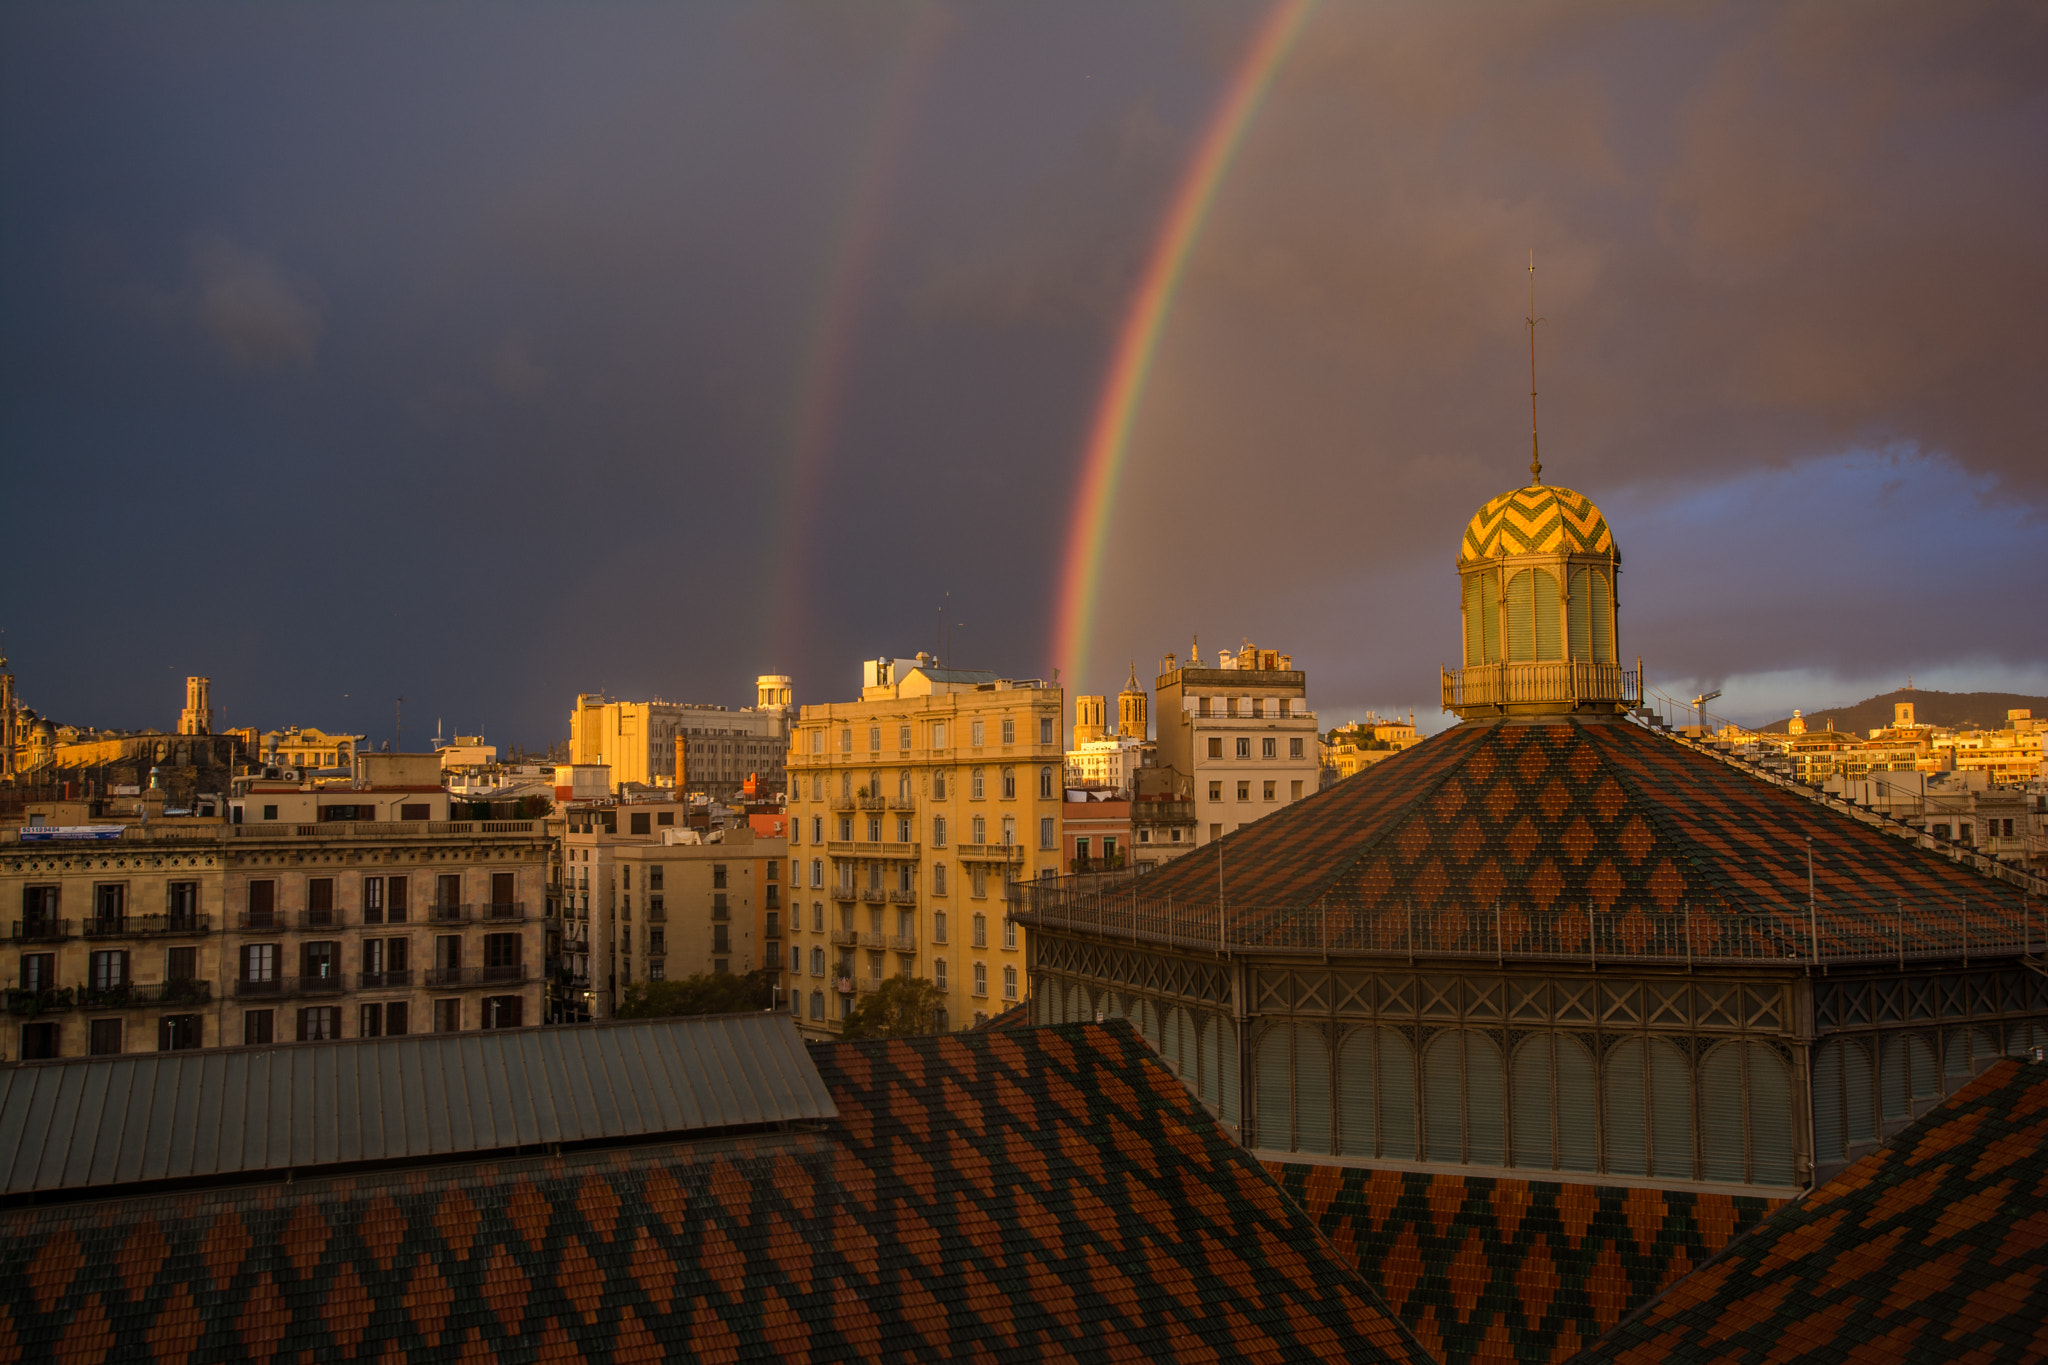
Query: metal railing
point(844, 938)
point(32, 1001)
point(475, 976)
point(39, 930)
point(1826, 930)
point(385, 980)
point(509, 912)
point(1513, 684)
point(903, 898)
point(290, 985)
point(324, 829)
point(904, 943)
point(133, 996)
point(145, 926)
point(874, 895)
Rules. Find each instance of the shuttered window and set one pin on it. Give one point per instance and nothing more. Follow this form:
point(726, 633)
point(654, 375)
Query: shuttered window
point(1312, 1116)
point(1906, 1073)
point(1628, 1129)
point(1579, 615)
point(1398, 1124)
point(1843, 1103)
point(1042, 1003)
point(1745, 1116)
point(1521, 617)
point(1226, 1054)
point(1205, 1062)
point(1555, 1106)
point(1475, 634)
point(1273, 1081)
point(1170, 1040)
point(1671, 1130)
point(1462, 1098)
point(1963, 1051)
point(1546, 610)
point(1602, 615)
point(1293, 1080)
point(1357, 1086)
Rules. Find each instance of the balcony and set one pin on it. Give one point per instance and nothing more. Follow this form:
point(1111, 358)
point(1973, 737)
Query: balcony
point(322, 919)
point(845, 938)
point(504, 912)
point(903, 898)
point(846, 848)
point(842, 892)
point(33, 1002)
point(842, 803)
point(873, 803)
point(40, 930)
point(445, 978)
point(1504, 686)
point(448, 913)
point(384, 981)
point(992, 853)
point(874, 895)
point(132, 996)
point(278, 986)
point(903, 943)
point(904, 804)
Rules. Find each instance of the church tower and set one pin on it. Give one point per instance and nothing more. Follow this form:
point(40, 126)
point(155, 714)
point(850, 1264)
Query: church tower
point(197, 717)
point(1088, 720)
point(1132, 720)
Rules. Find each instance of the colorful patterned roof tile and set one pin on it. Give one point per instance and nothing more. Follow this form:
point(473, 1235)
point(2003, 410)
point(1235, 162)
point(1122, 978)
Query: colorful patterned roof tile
point(1017, 1016)
point(1530, 834)
point(1934, 1247)
point(1476, 1265)
point(1539, 519)
point(1014, 1194)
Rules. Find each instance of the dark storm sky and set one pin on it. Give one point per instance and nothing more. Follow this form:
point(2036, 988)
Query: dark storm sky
point(488, 354)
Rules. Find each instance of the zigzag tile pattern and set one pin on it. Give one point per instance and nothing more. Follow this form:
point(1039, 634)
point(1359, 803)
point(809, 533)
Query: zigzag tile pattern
point(1484, 1269)
point(1018, 1195)
point(1935, 1247)
point(1539, 519)
point(1549, 820)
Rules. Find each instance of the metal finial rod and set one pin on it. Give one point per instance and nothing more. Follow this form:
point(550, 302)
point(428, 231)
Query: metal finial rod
point(1535, 451)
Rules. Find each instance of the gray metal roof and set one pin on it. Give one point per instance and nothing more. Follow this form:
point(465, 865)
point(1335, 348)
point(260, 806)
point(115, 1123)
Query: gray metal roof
point(182, 1115)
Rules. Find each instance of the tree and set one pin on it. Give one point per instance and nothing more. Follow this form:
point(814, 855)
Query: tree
point(900, 1008)
point(705, 993)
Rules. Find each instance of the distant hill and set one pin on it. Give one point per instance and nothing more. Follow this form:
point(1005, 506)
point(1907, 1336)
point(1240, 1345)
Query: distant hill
point(1951, 710)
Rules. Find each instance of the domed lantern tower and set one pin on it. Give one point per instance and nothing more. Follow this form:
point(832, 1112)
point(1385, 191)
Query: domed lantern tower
point(1537, 570)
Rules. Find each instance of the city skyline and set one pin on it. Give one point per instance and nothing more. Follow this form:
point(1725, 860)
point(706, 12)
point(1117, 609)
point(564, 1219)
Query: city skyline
point(373, 318)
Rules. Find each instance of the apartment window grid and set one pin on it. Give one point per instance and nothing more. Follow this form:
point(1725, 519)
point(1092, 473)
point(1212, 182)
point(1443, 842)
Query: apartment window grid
point(1009, 784)
point(976, 733)
point(981, 979)
point(1009, 983)
point(1009, 730)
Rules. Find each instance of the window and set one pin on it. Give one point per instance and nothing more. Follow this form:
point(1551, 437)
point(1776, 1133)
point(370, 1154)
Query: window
point(939, 973)
point(817, 962)
point(103, 1037)
point(817, 786)
point(817, 917)
point(938, 879)
point(1215, 746)
point(318, 1023)
point(938, 734)
point(938, 926)
point(938, 831)
point(447, 1016)
point(1244, 791)
point(1244, 746)
point(38, 1042)
point(817, 742)
point(981, 931)
point(903, 738)
point(1009, 830)
point(874, 738)
point(1045, 729)
point(939, 784)
point(1009, 933)
point(667, 817)
point(1294, 791)
point(817, 1004)
point(1048, 833)
point(504, 1011)
point(796, 960)
point(976, 789)
point(1294, 748)
point(1271, 791)
point(109, 970)
point(1009, 784)
point(181, 964)
point(1009, 983)
point(980, 830)
point(657, 939)
point(270, 812)
point(640, 822)
point(418, 811)
point(1045, 783)
point(373, 900)
point(721, 938)
point(981, 978)
point(874, 829)
point(109, 905)
point(720, 965)
point(977, 880)
point(1009, 730)
point(817, 872)
point(394, 899)
point(1215, 791)
point(1203, 708)
point(262, 904)
point(1269, 748)
point(977, 733)
point(259, 963)
point(718, 874)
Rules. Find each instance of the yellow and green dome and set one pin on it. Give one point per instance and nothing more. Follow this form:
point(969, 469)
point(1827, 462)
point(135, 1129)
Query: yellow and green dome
point(1539, 519)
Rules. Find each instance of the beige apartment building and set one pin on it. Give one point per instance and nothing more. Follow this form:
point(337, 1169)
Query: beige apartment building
point(911, 811)
point(595, 829)
point(185, 934)
point(1241, 733)
point(716, 750)
point(687, 905)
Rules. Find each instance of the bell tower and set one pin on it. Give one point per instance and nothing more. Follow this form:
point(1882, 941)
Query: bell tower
point(1132, 720)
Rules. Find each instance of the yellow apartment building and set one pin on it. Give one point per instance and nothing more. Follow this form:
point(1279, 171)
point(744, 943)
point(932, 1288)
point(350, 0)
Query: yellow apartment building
point(685, 908)
point(911, 810)
point(642, 741)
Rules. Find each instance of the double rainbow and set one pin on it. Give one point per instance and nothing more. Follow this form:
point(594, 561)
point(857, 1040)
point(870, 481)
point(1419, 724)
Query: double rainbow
point(1138, 340)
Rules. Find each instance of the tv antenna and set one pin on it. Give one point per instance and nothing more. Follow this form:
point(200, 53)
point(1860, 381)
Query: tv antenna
point(1535, 451)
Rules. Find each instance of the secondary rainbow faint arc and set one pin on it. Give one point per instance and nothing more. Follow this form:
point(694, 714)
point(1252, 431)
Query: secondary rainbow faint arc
point(1137, 344)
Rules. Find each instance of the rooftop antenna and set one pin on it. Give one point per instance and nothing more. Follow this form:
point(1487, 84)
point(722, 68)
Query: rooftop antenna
point(1535, 452)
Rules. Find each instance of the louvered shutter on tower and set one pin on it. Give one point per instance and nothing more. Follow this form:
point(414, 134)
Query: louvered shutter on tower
point(1273, 1089)
point(1723, 1102)
point(1549, 609)
point(1627, 1134)
point(1671, 1112)
point(1312, 1113)
point(1357, 1118)
point(1396, 1095)
point(1227, 1064)
point(1533, 1076)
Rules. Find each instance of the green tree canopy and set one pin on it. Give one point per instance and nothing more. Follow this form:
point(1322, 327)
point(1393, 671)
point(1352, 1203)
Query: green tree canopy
point(901, 1007)
point(705, 993)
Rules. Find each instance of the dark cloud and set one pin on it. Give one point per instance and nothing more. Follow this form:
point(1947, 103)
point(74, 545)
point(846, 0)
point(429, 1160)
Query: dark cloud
point(456, 352)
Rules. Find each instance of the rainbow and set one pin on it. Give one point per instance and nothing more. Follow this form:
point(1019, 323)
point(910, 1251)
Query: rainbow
point(1109, 434)
point(826, 356)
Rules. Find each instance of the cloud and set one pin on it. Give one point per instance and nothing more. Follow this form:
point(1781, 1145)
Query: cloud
point(260, 317)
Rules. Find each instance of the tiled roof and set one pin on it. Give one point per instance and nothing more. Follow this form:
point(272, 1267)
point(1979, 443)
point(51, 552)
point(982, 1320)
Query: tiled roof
point(1513, 832)
point(1013, 1195)
point(1528, 1270)
point(1539, 519)
point(1934, 1247)
point(1017, 1016)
